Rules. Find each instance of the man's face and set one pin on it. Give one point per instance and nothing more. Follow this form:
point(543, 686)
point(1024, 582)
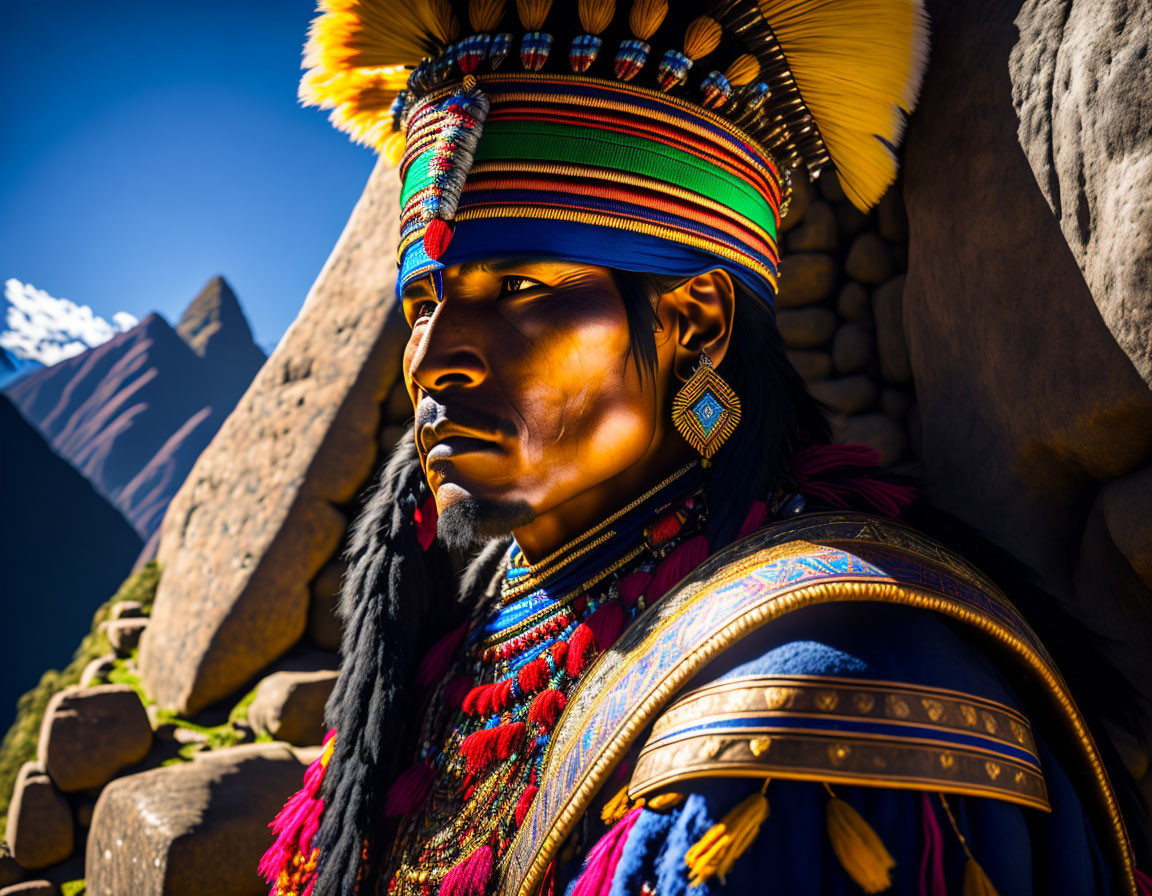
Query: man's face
point(525, 392)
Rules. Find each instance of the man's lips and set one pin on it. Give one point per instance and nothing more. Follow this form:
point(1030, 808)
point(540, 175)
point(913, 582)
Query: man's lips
point(455, 446)
point(449, 432)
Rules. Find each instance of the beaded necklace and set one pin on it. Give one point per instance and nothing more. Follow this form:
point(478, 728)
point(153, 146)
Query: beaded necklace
point(487, 728)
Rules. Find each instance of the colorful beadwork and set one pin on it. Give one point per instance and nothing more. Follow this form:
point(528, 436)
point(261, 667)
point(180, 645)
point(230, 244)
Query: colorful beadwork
point(535, 48)
point(673, 69)
point(705, 410)
point(716, 89)
point(585, 49)
point(480, 755)
point(630, 58)
point(472, 51)
point(498, 52)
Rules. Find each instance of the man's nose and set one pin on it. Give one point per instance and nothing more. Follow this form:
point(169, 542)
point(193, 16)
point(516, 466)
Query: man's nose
point(449, 354)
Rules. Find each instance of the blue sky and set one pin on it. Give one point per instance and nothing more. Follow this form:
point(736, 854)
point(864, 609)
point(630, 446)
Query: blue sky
point(145, 147)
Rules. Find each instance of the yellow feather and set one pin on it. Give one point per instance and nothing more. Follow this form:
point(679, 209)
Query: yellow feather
point(743, 70)
point(596, 15)
point(533, 13)
point(485, 15)
point(646, 17)
point(393, 148)
point(702, 37)
point(857, 63)
point(859, 848)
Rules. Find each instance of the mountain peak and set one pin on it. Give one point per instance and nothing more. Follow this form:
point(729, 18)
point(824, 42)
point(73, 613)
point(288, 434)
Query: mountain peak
point(214, 316)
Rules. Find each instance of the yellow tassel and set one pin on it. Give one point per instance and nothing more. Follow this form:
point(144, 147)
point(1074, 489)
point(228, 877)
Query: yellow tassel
point(976, 882)
point(596, 15)
point(533, 13)
point(445, 22)
point(484, 15)
point(646, 17)
point(716, 852)
point(857, 64)
point(859, 848)
point(619, 806)
point(703, 36)
point(393, 148)
point(663, 801)
point(743, 70)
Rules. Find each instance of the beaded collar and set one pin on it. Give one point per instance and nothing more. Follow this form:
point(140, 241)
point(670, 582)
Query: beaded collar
point(490, 719)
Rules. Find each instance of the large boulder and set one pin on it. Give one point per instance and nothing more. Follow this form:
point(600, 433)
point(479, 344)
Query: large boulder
point(1029, 405)
point(40, 829)
point(89, 734)
point(193, 828)
point(256, 518)
point(1080, 83)
point(289, 706)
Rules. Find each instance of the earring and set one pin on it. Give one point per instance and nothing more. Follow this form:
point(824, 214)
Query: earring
point(705, 411)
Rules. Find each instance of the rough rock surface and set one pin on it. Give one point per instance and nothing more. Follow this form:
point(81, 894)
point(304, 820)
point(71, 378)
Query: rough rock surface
point(89, 734)
point(190, 829)
point(323, 623)
point(1081, 83)
point(124, 634)
point(255, 521)
point(290, 706)
point(1028, 405)
point(10, 870)
point(39, 820)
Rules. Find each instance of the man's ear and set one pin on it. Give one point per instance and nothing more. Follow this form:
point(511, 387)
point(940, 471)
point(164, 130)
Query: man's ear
point(704, 307)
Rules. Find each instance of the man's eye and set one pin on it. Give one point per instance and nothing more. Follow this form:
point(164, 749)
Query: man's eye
point(513, 284)
point(423, 310)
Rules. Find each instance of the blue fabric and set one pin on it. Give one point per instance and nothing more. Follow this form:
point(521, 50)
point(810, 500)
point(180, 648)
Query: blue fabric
point(1023, 851)
point(578, 243)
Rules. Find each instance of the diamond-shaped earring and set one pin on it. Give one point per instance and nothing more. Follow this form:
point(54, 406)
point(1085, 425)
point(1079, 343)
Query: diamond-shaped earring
point(705, 410)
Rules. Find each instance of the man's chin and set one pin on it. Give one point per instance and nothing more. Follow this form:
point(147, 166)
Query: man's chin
point(468, 522)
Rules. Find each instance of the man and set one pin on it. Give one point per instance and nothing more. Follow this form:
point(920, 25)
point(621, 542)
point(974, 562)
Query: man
point(681, 657)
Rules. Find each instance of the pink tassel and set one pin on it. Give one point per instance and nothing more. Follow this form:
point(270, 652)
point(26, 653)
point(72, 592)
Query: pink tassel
point(755, 519)
point(932, 859)
point(606, 624)
point(435, 664)
point(425, 518)
point(546, 708)
point(469, 877)
point(600, 867)
point(409, 790)
point(676, 565)
point(296, 824)
point(884, 498)
point(525, 803)
point(456, 690)
point(1143, 882)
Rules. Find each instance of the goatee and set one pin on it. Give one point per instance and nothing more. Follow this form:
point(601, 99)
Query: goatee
point(472, 522)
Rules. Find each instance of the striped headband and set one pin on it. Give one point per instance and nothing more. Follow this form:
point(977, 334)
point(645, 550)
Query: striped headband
point(587, 170)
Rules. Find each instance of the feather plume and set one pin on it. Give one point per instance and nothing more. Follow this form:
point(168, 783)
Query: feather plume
point(858, 65)
point(533, 13)
point(596, 15)
point(743, 70)
point(702, 37)
point(646, 17)
point(485, 15)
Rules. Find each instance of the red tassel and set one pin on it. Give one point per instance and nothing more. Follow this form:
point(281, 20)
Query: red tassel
point(632, 586)
point(606, 624)
point(471, 704)
point(511, 735)
point(559, 653)
point(484, 747)
point(525, 803)
point(755, 519)
point(435, 664)
point(533, 676)
point(425, 518)
point(581, 649)
point(436, 238)
point(665, 527)
point(469, 877)
point(546, 708)
point(456, 690)
point(676, 565)
point(409, 790)
point(502, 695)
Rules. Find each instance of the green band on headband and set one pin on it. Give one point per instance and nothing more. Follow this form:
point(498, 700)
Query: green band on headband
point(577, 145)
